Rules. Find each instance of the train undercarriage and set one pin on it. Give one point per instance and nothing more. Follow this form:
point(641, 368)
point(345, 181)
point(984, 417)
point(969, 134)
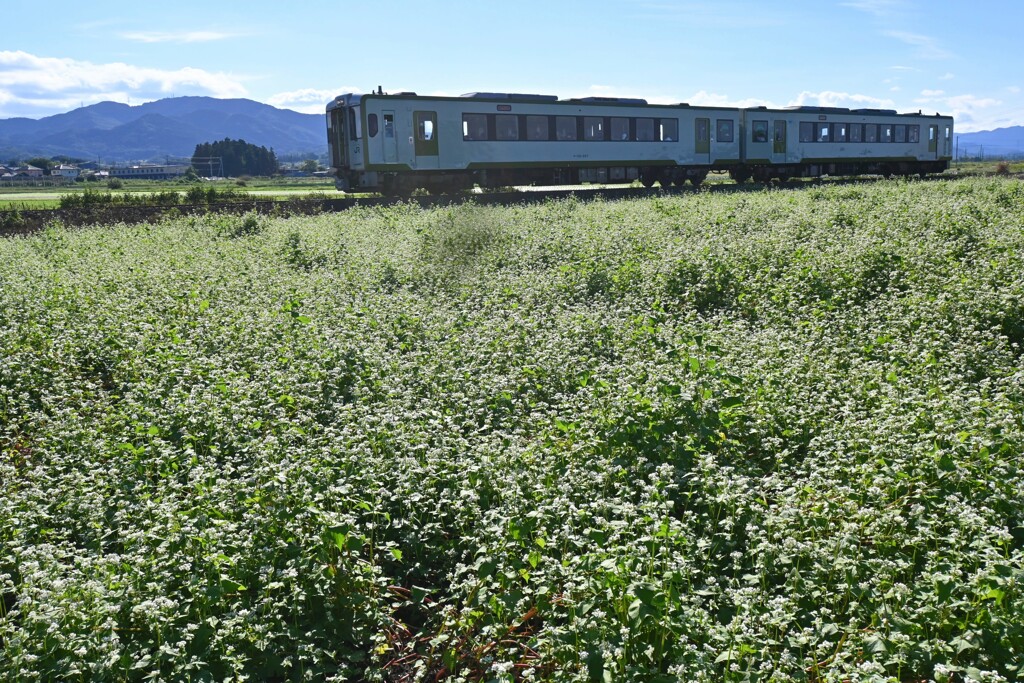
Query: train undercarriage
point(442, 182)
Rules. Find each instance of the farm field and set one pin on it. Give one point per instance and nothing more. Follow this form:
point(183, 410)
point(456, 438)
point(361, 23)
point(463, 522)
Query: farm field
point(774, 435)
point(22, 198)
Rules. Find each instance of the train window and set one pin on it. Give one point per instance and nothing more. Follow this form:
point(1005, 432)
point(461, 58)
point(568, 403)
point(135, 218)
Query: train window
point(619, 127)
point(474, 126)
point(645, 130)
point(724, 128)
point(806, 131)
point(371, 125)
point(886, 133)
point(565, 127)
point(901, 133)
point(823, 132)
point(840, 132)
point(537, 128)
point(354, 123)
point(856, 132)
point(426, 129)
point(669, 129)
point(389, 126)
point(507, 126)
point(593, 128)
point(870, 132)
point(759, 132)
point(949, 133)
point(913, 133)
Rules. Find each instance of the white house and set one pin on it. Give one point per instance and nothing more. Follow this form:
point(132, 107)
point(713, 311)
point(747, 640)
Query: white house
point(65, 171)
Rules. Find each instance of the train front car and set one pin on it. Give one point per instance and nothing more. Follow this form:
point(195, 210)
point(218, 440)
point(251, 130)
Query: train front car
point(401, 142)
point(345, 143)
point(817, 141)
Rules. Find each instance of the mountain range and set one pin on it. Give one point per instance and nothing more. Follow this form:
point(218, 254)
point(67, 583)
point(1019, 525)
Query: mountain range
point(172, 127)
point(998, 143)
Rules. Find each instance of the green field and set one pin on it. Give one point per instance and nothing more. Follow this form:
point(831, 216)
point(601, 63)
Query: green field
point(24, 198)
point(773, 435)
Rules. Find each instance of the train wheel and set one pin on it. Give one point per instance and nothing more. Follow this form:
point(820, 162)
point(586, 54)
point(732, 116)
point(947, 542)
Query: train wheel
point(740, 175)
point(648, 179)
point(696, 180)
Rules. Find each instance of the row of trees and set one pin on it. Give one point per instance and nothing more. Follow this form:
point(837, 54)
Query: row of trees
point(234, 158)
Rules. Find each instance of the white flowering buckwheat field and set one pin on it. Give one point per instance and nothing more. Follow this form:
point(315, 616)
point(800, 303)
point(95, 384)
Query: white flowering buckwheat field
point(722, 436)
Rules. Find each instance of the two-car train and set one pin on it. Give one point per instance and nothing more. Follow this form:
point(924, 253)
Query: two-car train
point(398, 143)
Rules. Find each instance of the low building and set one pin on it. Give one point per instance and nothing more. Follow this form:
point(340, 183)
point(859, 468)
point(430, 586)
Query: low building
point(149, 172)
point(65, 171)
point(29, 171)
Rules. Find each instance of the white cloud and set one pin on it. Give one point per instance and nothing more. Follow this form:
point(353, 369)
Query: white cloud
point(180, 37)
point(879, 8)
point(307, 100)
point(37, 86)
point(1013, 89)
point(927, 46)
point(830, 98)
point(932, 93)
point(947, 76)
point(970, 113)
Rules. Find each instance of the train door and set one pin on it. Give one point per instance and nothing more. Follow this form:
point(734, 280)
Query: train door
point(933, 141)
point(425, 135)
point(779, 141)
point(388, 139)
point(702, 141)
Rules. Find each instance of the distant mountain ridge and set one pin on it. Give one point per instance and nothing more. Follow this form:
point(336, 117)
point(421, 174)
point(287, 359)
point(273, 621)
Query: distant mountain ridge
point(171, 127)
point(992, 143)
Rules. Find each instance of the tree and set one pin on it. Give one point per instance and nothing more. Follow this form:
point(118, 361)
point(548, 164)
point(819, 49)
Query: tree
point(238, 157)
point(41, 162)
point(309, 166)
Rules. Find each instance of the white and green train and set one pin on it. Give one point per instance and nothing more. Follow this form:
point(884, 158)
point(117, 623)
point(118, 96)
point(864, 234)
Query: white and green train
point(398, 143)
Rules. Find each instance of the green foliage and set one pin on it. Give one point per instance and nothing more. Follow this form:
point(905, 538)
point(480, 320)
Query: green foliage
point(236, 158)
point(768, 436)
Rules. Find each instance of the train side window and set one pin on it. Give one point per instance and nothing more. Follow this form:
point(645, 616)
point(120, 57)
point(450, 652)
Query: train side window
point(355, 124)
point(507, 126)
point(886, 133)
point(856, 132)
point(474, 126)
point(619, 127)
point(565, 127)
point(669, 129)
point(806, 131)
point(900, 133)
point(823, 132)
point(645, 130)
point(913, 133)
point(724, 128)
point(870, 132)
point(759, 132)
point(949, 133)
point(372, 125)
point(593, 128)
point(840, 132)
point(425, 129)
point(537, 128)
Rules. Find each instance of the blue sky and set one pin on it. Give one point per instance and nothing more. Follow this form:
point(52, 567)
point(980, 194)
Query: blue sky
point(943, 56)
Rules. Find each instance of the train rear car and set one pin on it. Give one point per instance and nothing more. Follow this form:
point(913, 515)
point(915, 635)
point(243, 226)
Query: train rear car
point(817, 141)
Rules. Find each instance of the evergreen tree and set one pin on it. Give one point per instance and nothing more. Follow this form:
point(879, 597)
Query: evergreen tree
point(238, 157)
